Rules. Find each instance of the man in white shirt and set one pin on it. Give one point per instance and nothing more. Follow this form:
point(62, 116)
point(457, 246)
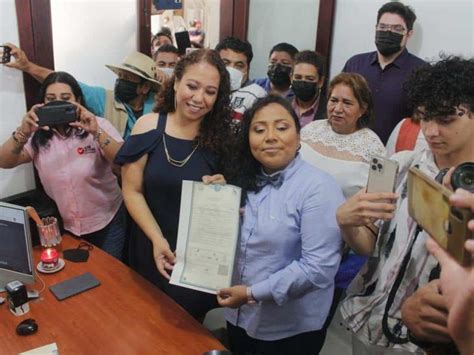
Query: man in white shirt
point(237, 55)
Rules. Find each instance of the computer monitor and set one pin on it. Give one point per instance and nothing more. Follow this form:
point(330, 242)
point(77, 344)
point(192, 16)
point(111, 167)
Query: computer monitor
point(16, 251)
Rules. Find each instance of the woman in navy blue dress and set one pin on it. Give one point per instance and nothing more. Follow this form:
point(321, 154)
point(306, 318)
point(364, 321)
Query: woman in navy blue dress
point(183, 142)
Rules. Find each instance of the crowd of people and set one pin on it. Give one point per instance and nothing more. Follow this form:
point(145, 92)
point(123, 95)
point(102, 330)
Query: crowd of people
point(312, 239)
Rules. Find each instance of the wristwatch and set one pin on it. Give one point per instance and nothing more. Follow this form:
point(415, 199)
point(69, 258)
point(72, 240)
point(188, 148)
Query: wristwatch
point(250, 299)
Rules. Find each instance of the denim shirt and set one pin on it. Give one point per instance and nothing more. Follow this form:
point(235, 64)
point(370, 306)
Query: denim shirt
point(288, 252)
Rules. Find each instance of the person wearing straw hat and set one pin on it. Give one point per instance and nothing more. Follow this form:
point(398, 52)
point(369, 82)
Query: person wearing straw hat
point(133, 93)
point(132, 97)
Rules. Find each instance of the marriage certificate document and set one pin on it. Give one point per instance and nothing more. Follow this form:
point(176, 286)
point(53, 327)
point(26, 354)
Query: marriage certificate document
point(207, 236)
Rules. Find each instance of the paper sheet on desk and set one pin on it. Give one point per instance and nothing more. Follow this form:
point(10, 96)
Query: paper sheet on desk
point(207, 236)
point(50, 349)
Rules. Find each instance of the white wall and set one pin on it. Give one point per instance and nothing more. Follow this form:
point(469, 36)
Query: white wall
point(12, 106)
point(275, 21)
point(87, 34)
point(446, 26)
point(212, 18)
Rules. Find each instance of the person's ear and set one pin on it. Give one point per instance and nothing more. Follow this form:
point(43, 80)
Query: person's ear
point(409, 34)
point(321, 81)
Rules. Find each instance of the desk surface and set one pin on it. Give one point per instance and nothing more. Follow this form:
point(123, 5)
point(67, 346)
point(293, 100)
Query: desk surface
point(124, 315)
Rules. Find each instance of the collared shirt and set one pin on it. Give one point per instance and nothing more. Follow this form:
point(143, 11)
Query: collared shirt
point(102, 103)
point(77, 176)
point(266, 84)
point(366, 300)
point(390, 101)
point(308, 115)
point(288, 252)
point(241, 100)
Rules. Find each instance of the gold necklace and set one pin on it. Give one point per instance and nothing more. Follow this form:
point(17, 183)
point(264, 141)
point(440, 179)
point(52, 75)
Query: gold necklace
point(174, 162)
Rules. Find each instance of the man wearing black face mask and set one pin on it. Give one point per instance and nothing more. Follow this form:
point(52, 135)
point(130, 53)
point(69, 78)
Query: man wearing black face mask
point(280, 65)
point(387, 68)
point(134, 91)
point(132, 96)
point(307, 82)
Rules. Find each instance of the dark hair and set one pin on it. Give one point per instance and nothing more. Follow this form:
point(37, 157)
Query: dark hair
point(214, 131)
point(165, 31)
point(362, 93)
point(243, 168)
point(441, 86)
point(41, 137)
point(284, 47)
point(313, 58)
point(236, 45)
point(166, 48)
point(404, 11)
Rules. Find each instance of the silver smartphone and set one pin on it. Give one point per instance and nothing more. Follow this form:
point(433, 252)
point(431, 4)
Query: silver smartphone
point(382, 174)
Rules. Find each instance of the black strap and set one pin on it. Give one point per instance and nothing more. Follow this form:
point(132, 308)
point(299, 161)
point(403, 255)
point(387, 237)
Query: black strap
point(161, 125)
point(396, 339)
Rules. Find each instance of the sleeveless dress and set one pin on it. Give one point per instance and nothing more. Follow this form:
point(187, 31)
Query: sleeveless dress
point(162, 190)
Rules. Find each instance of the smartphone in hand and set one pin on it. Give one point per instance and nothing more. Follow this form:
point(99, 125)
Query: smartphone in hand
point(6, 54)
point(428, 205)
point(182, 41)
point(56, 112)
point(382, 174)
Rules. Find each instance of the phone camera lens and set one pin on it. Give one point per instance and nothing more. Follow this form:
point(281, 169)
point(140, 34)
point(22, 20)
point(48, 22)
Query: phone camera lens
point(380, 166)
point(375, 161)
point(374, 167)
point(463, 177)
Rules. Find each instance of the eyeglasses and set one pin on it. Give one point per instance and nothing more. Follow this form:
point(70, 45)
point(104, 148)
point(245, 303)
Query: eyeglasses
point(393, 28)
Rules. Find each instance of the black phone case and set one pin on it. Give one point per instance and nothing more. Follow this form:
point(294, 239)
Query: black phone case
point(74, 286)
point(182, 41)
point(6, 56)
point(56, 114)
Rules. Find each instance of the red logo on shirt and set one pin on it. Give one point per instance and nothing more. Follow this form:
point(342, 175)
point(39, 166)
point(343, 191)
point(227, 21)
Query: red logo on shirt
point(88, 149)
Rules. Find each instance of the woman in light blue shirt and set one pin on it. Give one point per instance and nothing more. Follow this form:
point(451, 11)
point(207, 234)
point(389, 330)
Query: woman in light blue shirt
point(289, 246)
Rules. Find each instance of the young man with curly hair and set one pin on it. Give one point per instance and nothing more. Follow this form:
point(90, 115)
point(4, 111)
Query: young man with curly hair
point(394, 304)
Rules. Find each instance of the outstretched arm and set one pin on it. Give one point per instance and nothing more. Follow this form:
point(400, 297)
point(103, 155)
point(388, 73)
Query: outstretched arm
point(23, 63)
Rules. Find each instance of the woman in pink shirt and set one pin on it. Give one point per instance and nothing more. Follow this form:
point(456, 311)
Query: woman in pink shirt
point(74, 163)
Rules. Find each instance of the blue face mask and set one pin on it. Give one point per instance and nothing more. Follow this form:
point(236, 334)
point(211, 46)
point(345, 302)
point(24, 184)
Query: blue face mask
point(167, 71)
point(125, 91)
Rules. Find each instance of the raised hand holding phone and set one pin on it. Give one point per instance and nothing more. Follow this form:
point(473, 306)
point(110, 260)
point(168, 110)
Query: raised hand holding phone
point(382, 174)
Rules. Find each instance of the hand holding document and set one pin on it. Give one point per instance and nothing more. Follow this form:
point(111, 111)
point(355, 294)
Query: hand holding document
point(207, 236)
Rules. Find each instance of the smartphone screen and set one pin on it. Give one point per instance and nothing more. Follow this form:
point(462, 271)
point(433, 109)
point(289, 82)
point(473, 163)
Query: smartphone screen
point(182, 41)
